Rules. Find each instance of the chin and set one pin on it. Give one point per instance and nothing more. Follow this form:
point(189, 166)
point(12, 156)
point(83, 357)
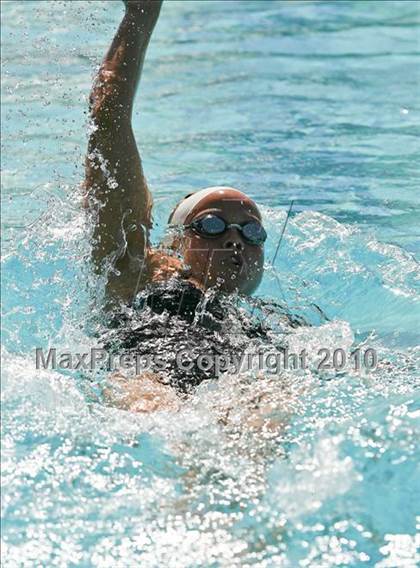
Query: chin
point(249, 287)
point(231, 283)
point(246, 288)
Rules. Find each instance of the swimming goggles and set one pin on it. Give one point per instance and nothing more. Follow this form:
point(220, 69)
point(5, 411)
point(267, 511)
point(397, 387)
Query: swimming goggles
point(213, 226)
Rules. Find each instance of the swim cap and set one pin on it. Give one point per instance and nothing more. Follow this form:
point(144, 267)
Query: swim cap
point(190, 202)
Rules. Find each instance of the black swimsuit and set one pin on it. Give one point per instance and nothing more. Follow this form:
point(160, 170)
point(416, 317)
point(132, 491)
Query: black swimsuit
point(174, 323)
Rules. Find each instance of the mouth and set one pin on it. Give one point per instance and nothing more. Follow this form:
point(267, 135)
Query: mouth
point(237, 260)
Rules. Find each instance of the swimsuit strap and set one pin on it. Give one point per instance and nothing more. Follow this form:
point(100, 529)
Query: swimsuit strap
point(180, 298)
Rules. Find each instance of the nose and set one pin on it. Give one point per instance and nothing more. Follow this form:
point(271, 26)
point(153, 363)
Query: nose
point(234, 244)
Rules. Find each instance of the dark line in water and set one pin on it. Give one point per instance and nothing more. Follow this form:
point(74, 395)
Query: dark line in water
point(282, 232)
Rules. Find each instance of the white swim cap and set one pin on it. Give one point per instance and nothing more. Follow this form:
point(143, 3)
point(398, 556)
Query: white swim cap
point(190, 202)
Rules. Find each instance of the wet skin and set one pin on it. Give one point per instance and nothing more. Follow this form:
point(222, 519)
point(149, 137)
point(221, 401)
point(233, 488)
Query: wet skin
point(226, 261)
point(123, 213)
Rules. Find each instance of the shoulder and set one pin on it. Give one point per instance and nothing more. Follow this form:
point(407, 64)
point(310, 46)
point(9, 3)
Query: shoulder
point(163, 266)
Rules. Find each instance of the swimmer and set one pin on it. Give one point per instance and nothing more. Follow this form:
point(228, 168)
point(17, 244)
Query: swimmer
point(217, 237)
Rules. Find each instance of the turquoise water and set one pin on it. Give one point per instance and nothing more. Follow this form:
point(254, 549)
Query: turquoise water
point(316, 102)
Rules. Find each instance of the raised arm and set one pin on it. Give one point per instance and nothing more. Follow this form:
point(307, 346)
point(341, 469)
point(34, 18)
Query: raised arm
point(116, 189)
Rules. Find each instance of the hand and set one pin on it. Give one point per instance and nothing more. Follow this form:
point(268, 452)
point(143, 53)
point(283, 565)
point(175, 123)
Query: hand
point(141, 5)
point(146, 12)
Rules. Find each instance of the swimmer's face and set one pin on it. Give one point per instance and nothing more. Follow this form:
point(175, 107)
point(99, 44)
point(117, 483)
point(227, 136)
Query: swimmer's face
point(228, 260)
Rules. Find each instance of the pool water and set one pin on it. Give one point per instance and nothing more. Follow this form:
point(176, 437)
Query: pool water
point(315, 102)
